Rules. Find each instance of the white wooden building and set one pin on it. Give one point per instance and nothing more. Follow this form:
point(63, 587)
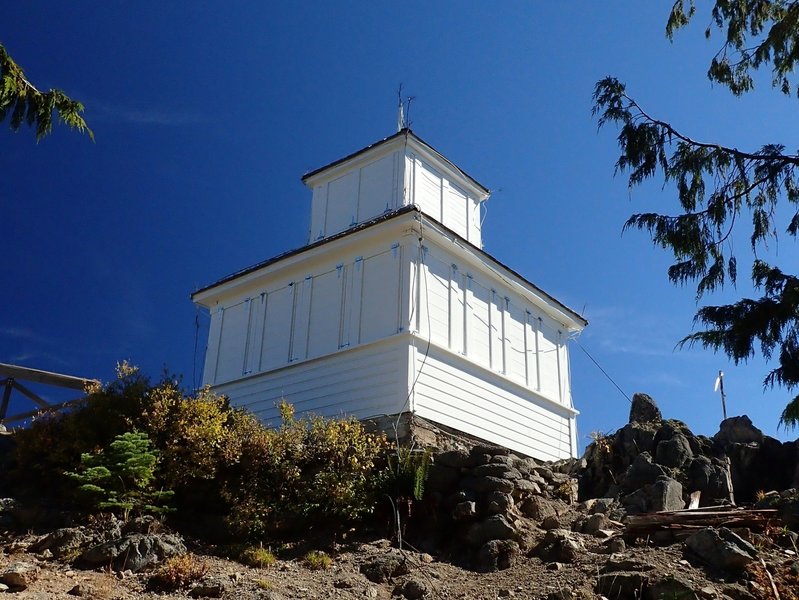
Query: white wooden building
point(393, 307)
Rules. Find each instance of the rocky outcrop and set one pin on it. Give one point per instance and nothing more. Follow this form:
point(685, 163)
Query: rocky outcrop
point(651, 461)
point(485, 493)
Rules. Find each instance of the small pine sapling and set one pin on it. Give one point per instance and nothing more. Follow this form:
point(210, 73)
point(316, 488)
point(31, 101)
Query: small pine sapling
point(120, 477)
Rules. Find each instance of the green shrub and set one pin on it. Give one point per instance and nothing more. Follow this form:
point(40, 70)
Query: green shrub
point(257, 556)
point(178, 572)
point(309, 469)
point(120, 477)
point(215, 458)
point(317, 560)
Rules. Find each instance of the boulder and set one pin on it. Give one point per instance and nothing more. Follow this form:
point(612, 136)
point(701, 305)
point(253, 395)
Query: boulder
point(664, 494)
point(738, 430)
point(497, 470)
point(721, 548)
point(496, 555)
point(674, 452)
point(134, 551)
point(490, 450)
point(498, 503)
point(538, 508)
point(641, 472)
point(558, 545)
point(621, 586)
point(413, 589)
point(671, 587)
point(644, 410)
point(455, 459)
point(487, 483)
point(495, 527)
point(18, 576)
point(64, 542)
point(383, 568)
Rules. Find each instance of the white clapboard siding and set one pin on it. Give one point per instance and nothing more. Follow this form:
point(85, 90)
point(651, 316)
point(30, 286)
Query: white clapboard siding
point(457, 311)
point(363, 382)
point(455, 393)
point(326, 305)
point(475, 223)
point(342, 203)
point(515, 342)
point(318, 213)
point(478, 298)
point(252, 353)
point(548, 341)
point(277, 328)
point(456, 210)
point(233, 341)
point(428, 185)
point(380, 296)
point(495, 319)
point(376, 188)
point(531, 354)
point(434, 313)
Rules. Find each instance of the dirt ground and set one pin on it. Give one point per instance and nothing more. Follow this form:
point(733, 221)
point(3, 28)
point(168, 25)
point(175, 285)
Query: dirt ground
point(432, 577)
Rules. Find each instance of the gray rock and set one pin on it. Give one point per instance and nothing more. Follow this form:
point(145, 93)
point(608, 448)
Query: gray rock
point(487, 483)
point(644, 409)
point(674, 452)
point(641, 472)
point(19, 575)
point(621, 586)
point(497, 470)
point(525, 486)
point(551, 522)
point(538, 508)
point(671, 587)
point(464, 511)
point(666, 494)
point(414, 589)
point(616, 544)
point(594, 523)
point(497, 555)
point(738, 430)
point(617, 563)
point(495, 527)
point(134, 552)
point(207, 590)
point(603, 506)
point(721, 548)
point(63, 542)
point(489, 449)
point(383, 568)
point(559, 546)
point(455, 459)
point(79, 590)
point(498, 503)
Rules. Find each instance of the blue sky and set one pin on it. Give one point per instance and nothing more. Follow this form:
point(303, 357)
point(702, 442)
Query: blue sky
point(207, 114)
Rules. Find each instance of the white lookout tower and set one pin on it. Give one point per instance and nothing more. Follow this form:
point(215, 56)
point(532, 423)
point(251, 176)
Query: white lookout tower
point(394, 308)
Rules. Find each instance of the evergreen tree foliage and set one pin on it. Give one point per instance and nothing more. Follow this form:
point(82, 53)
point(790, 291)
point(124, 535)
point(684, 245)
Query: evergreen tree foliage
point(21, 102)
point(120, 477)
point(719, 187)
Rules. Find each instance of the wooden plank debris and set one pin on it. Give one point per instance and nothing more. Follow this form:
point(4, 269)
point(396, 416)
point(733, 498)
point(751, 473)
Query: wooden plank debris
point(686, 521)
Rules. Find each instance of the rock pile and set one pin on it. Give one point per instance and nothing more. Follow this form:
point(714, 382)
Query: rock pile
point(487, 496)
point(658, 464)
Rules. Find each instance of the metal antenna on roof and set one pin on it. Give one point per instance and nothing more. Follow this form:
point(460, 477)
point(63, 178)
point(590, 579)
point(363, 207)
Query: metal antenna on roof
point(403, 110)
point(400, 113)
point(408, 111)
